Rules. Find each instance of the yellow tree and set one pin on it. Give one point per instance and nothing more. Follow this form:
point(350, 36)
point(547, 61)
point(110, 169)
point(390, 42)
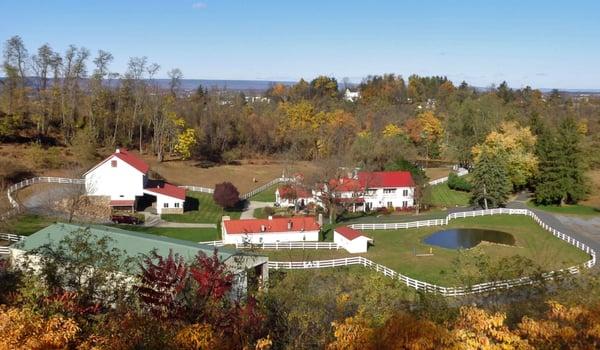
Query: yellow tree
point(186, 141)
point(517, 146)
point(352, 334)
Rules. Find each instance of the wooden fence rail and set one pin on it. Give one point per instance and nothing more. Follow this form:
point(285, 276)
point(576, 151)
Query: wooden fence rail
point(447, 291)
point(265, 186)
point(198, 189)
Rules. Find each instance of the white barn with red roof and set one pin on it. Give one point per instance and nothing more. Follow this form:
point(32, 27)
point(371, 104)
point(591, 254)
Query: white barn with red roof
point(123, 178)
point(291, 194)
point(350, 239)
point(269, 230)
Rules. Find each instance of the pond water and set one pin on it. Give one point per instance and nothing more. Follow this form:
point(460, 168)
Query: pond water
point(465, 238)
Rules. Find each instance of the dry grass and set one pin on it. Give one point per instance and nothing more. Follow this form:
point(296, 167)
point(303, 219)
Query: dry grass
point(437, 173)
point(594, 199)
point(246, 176)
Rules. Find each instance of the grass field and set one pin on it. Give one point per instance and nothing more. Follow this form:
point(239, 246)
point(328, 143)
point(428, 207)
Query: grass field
point(566, 209)
point(444, 197)
point(203, 210)
point(267, 195)
point(188, 234)
point(27, 224)
point(395, 249)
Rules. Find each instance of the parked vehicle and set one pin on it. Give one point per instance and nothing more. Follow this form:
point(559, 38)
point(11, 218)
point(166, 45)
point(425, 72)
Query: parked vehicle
point(125, 219)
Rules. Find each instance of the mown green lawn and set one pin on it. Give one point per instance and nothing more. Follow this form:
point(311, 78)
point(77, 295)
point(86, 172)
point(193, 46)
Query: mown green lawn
point(268, 195)
point(396, 249)
point(566, 209)
point(189, 234)
point(443, 196)
point(201, 209)
point(27, 224)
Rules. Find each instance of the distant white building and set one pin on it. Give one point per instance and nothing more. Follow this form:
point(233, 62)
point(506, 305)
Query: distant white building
point(290, 194)
point(350, 239)
point(269, 230)
point(123, 178)
point(351, 96)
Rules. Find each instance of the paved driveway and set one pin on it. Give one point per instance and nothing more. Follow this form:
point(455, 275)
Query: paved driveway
point(248, 213)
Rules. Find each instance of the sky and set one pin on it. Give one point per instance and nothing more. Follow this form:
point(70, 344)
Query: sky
point(544, 44)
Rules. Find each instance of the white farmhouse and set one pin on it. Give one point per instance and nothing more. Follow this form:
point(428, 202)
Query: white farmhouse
point(269, 230)
point(350, 239)
point(123, 178)
point(371, 190)
point(351, 96)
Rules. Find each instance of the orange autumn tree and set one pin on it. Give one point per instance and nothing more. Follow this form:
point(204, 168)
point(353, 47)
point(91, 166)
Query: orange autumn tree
point(426, 131)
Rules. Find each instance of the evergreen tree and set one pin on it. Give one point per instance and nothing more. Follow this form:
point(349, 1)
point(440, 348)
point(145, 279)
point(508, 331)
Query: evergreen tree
point(491, 184)
point(561, 176)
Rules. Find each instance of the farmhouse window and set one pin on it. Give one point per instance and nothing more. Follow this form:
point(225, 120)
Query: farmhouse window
point(404, 204)
point(113, 163)
point(390, 204)
point(165, 205)
point(405, 193)
point(176, 205)
point(389, 190)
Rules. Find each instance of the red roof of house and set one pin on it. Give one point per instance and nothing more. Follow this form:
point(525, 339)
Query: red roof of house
point(251, 226)
point(345, 184)
point(348, 232)
point(378, 179)
point(129, 158)
point(132, 160)
point(166, 189)
point(284, 191)
point(121, 203)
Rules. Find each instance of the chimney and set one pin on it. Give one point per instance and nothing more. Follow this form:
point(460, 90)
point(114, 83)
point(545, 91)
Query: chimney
point(225, 218)
point(263, 228)
point(270, 217)
point(290, 224)
point(320, 219)
point(118, 150)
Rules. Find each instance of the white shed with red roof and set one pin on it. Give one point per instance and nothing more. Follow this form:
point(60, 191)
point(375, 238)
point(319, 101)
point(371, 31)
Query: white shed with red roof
point(350, 239)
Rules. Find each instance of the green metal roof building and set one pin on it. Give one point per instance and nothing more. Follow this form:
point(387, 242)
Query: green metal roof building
point(137, 244)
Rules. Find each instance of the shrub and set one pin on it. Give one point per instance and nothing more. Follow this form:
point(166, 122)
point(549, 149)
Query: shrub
point(49, 158)
point(458, 183)
point(268, 211)
point(226, 195)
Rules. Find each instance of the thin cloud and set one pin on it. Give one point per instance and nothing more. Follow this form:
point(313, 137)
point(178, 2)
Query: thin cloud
point(199, 5)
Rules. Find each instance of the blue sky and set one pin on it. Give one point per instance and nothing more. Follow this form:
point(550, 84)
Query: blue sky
point(544, 44)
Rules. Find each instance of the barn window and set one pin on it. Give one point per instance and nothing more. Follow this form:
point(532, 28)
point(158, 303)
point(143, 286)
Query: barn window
point(113, 163)
point(176, 205)
point(166, 205)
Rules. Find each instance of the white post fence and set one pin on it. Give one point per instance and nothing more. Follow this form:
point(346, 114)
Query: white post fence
point(198, 189)
point(460, 172)
point(36, 180)
point(265, 186)
point(447, 291)
point(213, 243)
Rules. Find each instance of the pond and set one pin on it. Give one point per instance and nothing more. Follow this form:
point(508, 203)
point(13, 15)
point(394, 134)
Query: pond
point(464, 238)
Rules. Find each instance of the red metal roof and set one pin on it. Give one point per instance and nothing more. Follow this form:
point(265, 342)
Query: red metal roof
point(166, 189)
point(121, 203)
point(251, 226)
point(348, 232)
point(132, 160)
point(284, 191)
point(345, 184)
point(378, 179)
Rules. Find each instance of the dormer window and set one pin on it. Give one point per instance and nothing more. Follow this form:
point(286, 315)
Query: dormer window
point(113, 163)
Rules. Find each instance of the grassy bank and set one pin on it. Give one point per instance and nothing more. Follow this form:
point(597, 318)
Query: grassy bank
point(444, 197)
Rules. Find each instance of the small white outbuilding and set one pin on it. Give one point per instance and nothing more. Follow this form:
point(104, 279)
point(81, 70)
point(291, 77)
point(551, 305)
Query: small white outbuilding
point(350, 239)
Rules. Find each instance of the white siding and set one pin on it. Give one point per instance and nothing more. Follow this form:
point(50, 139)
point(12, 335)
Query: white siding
point(122, 182)
point(161, 200)
point(379, 199)
point(270, 237)
point(357, 245)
